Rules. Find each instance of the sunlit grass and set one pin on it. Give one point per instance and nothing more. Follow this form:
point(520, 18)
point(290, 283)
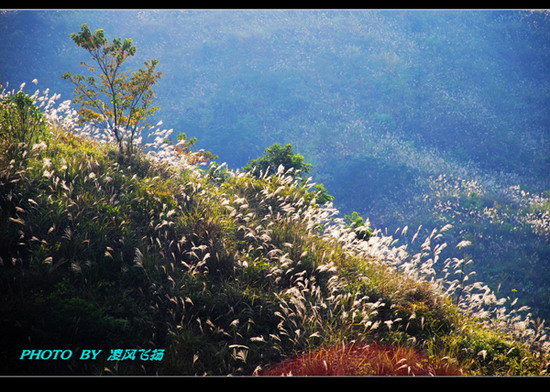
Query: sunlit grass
point(231, 273)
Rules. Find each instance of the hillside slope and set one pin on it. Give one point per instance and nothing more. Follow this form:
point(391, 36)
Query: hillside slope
point(221, 272)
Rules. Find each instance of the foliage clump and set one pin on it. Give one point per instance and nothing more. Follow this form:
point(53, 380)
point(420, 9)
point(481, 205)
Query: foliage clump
point(277, 159)
point(21, 124)
point(277, 155)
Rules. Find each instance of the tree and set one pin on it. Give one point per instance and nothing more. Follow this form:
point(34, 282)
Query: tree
point(275, 156)
point(21, 125)
point(119, 102)
point(20, 118)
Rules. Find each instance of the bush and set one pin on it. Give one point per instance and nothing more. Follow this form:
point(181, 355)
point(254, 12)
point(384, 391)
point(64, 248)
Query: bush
point(21, 124)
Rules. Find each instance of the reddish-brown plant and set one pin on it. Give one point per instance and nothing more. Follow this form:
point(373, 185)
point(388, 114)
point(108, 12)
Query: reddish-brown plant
point(363, 360)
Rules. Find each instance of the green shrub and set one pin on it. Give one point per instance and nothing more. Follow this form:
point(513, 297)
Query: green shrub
point(21, 124)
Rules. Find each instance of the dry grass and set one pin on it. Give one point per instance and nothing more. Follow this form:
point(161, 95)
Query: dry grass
point(197, 247)
point(363, 360)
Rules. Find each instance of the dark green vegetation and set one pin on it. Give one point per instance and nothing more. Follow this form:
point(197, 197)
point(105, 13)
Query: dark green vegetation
point(228, 272)
point(279, 158)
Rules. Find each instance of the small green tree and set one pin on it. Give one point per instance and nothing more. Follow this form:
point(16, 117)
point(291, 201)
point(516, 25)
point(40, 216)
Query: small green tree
point(119, 102)
point(275, 156)
point(20, 118)
point(21, 125)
